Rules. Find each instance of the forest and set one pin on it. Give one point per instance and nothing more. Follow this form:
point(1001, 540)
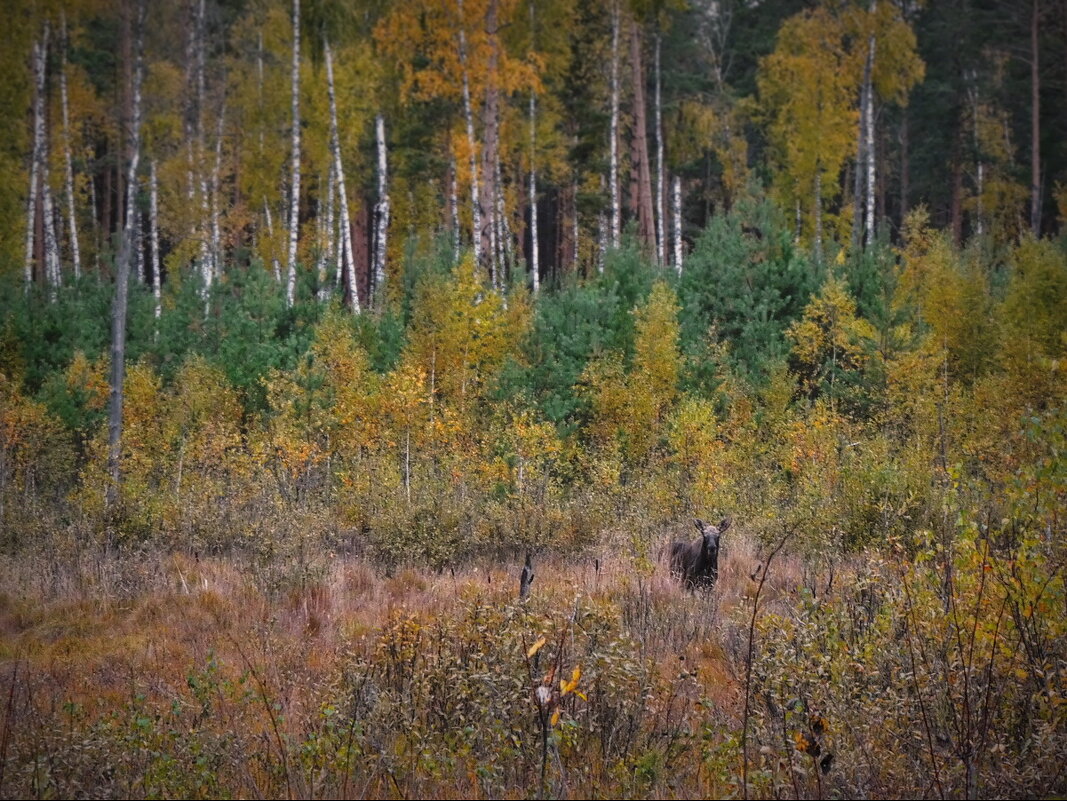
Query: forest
point(533, 399)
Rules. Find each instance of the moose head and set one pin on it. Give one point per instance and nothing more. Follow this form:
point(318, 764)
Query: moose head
point(697, 563)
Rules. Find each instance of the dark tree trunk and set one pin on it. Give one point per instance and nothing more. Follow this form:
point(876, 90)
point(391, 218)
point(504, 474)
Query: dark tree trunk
point(646, 224)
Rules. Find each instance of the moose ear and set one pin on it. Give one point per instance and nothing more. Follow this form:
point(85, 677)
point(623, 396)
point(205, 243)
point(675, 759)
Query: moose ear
point(725, 524)
point(698, 523)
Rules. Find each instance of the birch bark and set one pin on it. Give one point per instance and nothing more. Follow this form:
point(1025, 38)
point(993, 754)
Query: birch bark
point(118, 313)
point(613, 165)
point(153, 230)
point(661, 243)
point(294, 179)
point(327, 252)
point(40, 57)
point(347, 258)
point(678, 224)
point(535, 267)
point(216, 237)
point(489, 151)
point(75, 250)
point(381, 213)
point(869, 121)
point(468, 114)
point(1035, 123)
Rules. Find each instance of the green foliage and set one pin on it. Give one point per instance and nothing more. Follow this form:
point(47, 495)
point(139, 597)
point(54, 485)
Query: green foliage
point(746, 277)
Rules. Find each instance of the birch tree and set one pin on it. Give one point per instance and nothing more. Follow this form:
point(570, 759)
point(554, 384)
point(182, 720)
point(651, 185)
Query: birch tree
point(294, 171)
point(661, 244)
point(806, 89)
point(535, 266)
point(153, 231)
point(381, 213)
point(72, 220)
point(613, 142)
point(452, 50)
point(122, 277)
point(40, 62)
point(1035, 119)
point(891, 67)
point(348, 261)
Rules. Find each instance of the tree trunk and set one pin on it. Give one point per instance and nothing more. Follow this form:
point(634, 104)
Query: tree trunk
point(645, 222)
point(661, 242)
point(504, 237)
point(858, 195)
point(327, 251)
point(153, 230)
point(1035, 123)
point(956, 198)
point(613, 166)
point(138, 246)
point(904, 166)
point(294, 174)
point(75, 250)
point(979, 212)
point(818, 215)
point(869, 150)
point(381, 233)
point(118, 309)
point(216, 237)
point(51, 246)
point(535, 267)
point(40, 63)
point(472, 144)
point(348, 259)
point(453, 206)
point(678, 224)
point(274, 263)
point(489, 151)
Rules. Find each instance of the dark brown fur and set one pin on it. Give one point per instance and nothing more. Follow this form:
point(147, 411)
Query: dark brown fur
point(697, 563)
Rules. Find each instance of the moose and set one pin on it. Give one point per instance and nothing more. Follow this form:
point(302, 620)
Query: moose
point(697, 563)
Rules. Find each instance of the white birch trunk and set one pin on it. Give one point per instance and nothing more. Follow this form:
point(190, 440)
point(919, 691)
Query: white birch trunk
point(216, 239)
point(869, 217)
point(339, 258)
point(453, 208)
point(207, 268)
point(861, 156)
point(504, 235)
point(535, 266)
point(153, 230)
point(678, 224)
point(294, 181)
point(51, 245)
point(327, 251)
point(613, 167)
point(40, 61)
point(818, 216)
point(275, 266)
point(381, 237)
point(118, 314)
point(490, 150)
point(574, 224)
point(468, 114)
point(1035, 120)
point(661, 242)
point(138, 247)
point(602, 235)
point(75, 249)
point(348, 261)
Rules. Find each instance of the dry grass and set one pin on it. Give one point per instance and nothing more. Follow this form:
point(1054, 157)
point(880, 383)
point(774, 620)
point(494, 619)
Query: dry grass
point(84, 641)
point(167, 674)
